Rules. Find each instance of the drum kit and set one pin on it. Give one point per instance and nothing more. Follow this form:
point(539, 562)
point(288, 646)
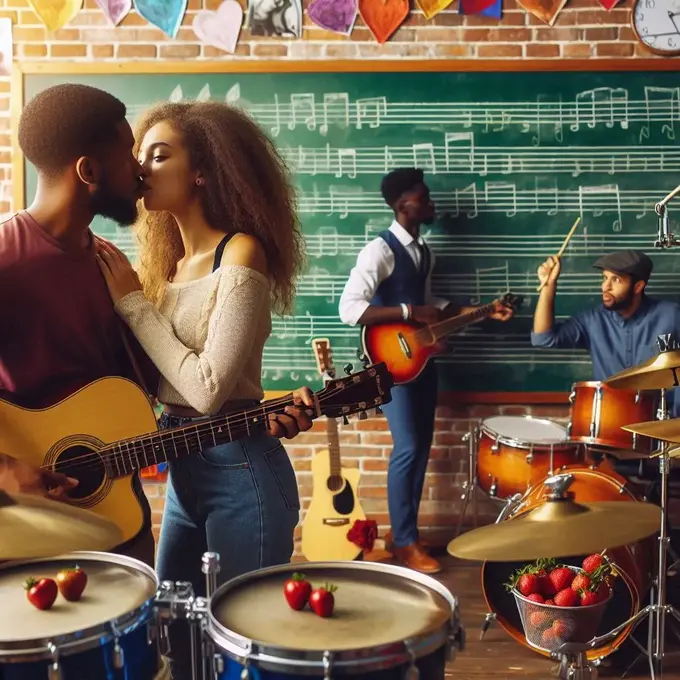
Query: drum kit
point(389, 623)
point(563, 498)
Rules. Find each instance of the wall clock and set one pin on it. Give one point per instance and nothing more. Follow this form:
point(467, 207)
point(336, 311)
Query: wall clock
point(656, 24)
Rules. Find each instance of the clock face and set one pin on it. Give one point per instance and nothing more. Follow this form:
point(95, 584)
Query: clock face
point(657, 24)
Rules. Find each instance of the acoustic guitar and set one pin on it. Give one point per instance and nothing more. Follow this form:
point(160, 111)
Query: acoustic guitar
point(334, 506)
point(107, 431)
point(406, 347)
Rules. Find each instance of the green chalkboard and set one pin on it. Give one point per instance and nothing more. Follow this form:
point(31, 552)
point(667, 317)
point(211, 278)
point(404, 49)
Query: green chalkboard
point(512, 159)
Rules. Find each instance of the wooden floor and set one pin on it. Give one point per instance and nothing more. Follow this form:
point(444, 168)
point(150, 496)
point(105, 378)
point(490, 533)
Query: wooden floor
point(498, 655)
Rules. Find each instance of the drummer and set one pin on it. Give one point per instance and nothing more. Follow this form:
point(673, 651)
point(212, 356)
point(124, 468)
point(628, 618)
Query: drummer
point(619, 334)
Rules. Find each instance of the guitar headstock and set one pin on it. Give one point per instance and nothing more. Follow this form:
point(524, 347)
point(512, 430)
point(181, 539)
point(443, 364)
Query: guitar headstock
point(324, 358)
point(511, 300)
point(357, 392)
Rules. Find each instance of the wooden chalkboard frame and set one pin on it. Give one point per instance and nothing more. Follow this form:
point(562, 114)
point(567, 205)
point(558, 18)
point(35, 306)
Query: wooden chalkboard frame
point(26, 68)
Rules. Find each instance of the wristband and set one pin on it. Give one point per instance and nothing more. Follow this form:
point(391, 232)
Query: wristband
point(404, 311)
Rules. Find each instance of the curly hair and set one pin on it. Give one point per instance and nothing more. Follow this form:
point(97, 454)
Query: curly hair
point(247, 190)
point(65, 122)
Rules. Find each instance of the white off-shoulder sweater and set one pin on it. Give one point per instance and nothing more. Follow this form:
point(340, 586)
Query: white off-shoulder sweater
point(206, 337)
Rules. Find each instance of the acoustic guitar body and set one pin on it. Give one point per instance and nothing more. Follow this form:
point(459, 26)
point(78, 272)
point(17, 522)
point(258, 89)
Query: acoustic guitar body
point(67, 436)
point(398, 346)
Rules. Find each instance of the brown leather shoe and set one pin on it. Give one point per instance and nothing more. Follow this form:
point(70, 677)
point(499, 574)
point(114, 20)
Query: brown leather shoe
point(414, 557)
point(389, 542)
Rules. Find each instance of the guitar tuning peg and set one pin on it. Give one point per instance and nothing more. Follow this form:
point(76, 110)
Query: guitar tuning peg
point(348, 369)
point(345, 420)
point(378, 411)
point(363, 415)
point(361, 355)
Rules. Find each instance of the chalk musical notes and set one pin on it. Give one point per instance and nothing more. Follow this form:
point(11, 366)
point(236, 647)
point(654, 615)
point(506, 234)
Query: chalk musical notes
point(595, 195)
point(371, 110)
point(495, 278)
point(303, 109)
point(666, 99)
point(505, 191)
point(335, 111)
point(423, 157)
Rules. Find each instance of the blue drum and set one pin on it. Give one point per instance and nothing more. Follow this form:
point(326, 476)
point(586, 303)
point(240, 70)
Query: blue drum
point(106, 635)
point(389, 623)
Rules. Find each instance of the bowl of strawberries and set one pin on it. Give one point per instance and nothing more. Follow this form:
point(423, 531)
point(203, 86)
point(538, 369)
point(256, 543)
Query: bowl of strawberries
point(561, 603)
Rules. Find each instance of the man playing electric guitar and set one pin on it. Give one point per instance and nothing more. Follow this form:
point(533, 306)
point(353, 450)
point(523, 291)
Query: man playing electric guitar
point(390, 282)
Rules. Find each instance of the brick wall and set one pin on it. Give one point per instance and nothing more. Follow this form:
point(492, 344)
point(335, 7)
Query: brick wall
point(582, 30)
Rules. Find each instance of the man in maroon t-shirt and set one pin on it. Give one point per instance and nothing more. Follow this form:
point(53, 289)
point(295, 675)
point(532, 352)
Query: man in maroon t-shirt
point(60, 331)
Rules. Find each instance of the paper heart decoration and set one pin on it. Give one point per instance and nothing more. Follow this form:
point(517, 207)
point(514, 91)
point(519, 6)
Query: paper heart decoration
point(164, 14)
point(545, 10)
point(115, 10)
point(383, 17)
point(486, 8)
point(56, 14)
point(608, 4)
point(431, 8)
point(220, 28)
point(334, 15)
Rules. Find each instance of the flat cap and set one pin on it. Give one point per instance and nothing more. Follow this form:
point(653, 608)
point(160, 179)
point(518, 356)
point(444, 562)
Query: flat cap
point(633, 262)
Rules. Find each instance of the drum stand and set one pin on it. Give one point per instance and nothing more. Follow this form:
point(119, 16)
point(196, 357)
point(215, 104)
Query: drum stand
point(470, 484)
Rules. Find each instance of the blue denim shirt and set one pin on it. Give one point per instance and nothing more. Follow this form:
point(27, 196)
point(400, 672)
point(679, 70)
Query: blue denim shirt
point(615, 343)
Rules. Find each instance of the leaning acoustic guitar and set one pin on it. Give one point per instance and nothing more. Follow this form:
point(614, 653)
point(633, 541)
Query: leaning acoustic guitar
point(334, 506)
point(105, 432)
point(406, 347)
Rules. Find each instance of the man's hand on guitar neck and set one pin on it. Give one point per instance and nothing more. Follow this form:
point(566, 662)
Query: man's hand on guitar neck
point(17, 476)
point(289, 424)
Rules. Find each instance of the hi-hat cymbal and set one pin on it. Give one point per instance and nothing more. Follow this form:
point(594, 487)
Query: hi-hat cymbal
point(654, 374)
point(33, 526)
point(557, 528)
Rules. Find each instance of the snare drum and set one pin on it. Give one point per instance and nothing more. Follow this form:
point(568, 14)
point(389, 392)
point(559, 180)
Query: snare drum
point(515, 452)
point(386, 620)
point(107, 629)
point(598, 412)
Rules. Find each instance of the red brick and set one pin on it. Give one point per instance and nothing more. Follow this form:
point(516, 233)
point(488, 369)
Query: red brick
point(604, 33)
point(270, 50)
point(179, 51)
point(134, 51)
point(558, 34)
point(372, 424)
point(68, 50)
point(342, 50)
point(614, 49)
point(577, 50)
point(102, 51)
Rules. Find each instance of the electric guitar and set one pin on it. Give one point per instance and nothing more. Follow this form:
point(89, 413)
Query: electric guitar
point(107, 431)
point(334, 506)
point(406, 347)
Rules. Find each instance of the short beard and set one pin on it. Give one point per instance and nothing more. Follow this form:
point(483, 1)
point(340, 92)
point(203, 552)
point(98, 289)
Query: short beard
point(623, 304)
point(121, 211)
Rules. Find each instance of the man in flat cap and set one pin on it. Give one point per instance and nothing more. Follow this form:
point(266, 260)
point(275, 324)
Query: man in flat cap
point(391, 282)
point(619, 334)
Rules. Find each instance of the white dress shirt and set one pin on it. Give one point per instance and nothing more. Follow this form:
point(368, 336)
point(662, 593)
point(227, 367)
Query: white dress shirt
point(374, 264)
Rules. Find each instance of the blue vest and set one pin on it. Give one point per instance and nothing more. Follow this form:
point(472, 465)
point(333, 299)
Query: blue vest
point(405, 284)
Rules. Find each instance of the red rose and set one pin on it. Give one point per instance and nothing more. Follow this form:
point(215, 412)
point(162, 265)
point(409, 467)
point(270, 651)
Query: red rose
point(363, 533)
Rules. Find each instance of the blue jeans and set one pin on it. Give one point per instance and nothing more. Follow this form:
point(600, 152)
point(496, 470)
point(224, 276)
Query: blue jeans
point(410, 416)
point(239, 500)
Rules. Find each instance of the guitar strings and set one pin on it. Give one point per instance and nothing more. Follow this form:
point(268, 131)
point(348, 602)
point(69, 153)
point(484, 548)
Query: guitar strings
point(236, 421)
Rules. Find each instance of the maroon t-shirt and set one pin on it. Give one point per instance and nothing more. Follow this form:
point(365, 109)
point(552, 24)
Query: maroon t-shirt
point(60, 329)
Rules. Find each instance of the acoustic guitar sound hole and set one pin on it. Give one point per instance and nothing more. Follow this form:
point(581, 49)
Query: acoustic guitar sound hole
point(85, 465)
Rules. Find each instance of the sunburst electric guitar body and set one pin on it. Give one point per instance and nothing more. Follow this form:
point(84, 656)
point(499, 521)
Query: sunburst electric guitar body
point(334, 506)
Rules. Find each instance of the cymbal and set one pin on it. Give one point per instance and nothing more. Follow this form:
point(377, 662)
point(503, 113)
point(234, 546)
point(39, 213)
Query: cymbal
point(654, 374)
point(665, 430)
point(33, 526)
point(558, 528)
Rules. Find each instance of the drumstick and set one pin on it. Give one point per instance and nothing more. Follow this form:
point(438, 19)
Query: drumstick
point(561, 250)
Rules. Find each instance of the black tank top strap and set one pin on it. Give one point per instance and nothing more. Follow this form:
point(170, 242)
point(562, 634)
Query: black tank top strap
point(219, 251)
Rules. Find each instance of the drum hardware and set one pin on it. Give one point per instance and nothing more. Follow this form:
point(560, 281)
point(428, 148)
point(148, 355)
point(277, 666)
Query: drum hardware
point(471, 483)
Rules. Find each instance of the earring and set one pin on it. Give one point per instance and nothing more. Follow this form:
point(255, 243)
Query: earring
point(200, 181)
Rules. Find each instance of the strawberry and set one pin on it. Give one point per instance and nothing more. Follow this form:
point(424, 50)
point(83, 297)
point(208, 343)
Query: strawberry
point(546, 585)
point(567, 598)
point(41, 593)
point(550, 601)
point(592, 562)
point(322, 601)
point(560, 628)
point(536, 597)
point(71, 583)
point(540, 619)
point(548, 638)
point(589, 598)
point(528, 584)
point(581, 582)
point(297, 591)
point(561, 578)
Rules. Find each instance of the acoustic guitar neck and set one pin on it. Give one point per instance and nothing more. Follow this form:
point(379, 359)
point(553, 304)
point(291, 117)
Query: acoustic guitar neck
point(443, 328)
